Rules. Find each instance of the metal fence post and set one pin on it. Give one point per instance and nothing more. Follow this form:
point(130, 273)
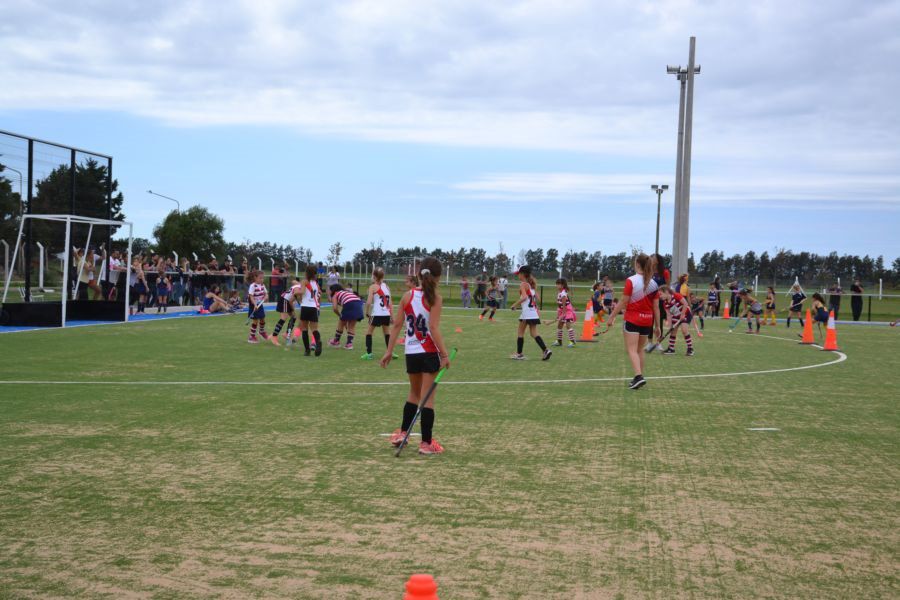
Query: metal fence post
point(870, 307)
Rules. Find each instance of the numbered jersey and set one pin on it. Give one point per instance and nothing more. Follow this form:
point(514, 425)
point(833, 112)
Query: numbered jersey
point(418, 325)
point(310, 294)
point(381, 301)
point(529, 306)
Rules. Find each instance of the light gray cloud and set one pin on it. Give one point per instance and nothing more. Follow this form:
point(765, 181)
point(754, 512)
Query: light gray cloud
point(805, 86)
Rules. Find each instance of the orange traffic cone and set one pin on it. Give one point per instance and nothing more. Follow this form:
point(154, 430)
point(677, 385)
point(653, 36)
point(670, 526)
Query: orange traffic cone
point(421, 587)
point(808, 330)
point(831, 334)
point(587, 329)
point(727, 313)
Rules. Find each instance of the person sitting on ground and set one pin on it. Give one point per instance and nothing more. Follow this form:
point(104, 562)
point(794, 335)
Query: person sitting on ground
point(213, 302)
point(234, 302)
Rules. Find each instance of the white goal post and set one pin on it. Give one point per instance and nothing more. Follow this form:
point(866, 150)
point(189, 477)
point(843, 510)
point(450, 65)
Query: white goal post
point(69, 220)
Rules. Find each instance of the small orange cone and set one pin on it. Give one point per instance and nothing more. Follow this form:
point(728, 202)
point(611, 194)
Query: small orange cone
point(587, 329)
point(458, 330)
point(727, 313)
point(421, 587)
point(831, 334)
point(808, 330)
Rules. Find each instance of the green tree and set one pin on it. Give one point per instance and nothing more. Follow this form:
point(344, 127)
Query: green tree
point(9, 210)
point(194, 230)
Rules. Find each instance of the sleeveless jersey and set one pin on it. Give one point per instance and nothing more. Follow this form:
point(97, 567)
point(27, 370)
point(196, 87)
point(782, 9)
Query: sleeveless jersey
point(796, 300)
point(257, 293)
point(294, 289)
point(310, 294)
point(607, 292)
point(562, 300)
point(418, 325)
point(712, 296)
point(381, 301)
point(529, 307)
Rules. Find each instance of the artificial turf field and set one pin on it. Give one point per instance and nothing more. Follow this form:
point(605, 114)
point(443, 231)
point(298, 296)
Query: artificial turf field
point(164, 488)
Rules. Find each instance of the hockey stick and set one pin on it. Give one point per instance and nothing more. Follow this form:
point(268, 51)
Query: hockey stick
point(649, 348)
point(422, 402)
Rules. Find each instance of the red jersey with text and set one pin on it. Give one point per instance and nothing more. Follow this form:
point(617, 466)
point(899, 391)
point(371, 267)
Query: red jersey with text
point(640, 304)
point(418, 325)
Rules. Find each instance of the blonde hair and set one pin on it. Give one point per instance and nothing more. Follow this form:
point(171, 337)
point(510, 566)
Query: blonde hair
point(645, 266)
point(378, 274)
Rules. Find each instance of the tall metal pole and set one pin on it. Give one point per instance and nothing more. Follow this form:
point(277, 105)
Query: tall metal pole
point(686, 163)
point(28, 230)
point(679, 169)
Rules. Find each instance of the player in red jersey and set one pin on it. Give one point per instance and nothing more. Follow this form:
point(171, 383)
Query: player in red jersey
point(419, 314)
point(679, 312)
point(640, 303)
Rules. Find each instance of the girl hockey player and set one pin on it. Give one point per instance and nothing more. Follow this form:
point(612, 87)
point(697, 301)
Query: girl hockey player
point(530, 317)
point(493, 300)
point(640, 303)
point(419, 315)
point(256, 295)
point(680, 316)
point(565, 314)
point(378, 311)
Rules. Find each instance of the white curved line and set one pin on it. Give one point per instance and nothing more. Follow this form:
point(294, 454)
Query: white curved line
point(841, 357)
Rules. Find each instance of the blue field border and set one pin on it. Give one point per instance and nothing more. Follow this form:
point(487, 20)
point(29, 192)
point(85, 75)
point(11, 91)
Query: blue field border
point(143, 318)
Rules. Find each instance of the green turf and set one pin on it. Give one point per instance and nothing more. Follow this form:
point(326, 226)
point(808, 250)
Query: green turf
point(547, 490)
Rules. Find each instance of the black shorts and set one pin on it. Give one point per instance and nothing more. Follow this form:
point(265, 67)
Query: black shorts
point(755, 312)
point(423, 362)
point(493, 304)
point(770, 306)
point(284, 306)
point(530, 321)
point(310, 314)
point(380, 321)
point(607, 302)
point(646, 330)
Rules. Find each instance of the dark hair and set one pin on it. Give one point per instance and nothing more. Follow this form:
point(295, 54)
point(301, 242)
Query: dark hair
point(526, 271)
point(562, 281)
point(335, 288)
point(596, 286)
point(430, 274)
point(818, 296)
point(310, 272)
point(659, 264)
point(645, 266)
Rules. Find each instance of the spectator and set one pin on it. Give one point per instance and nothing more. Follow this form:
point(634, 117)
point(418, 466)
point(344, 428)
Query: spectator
point(502, 285)
point(834, 299)
point(856, 300)
point(465, 294)
point(480, 289)
point(334, 278)
point(735, 297)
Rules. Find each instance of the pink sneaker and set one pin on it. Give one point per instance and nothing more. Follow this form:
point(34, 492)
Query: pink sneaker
point(252, 340)
point(274, 339)
point(432, 448)
point(348, 346)
point(264, 335)
point(397, 437)
point(334, 343)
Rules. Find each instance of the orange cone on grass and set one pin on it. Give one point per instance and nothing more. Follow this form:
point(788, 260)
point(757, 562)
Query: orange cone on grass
point(727, 313)
point(421, 587)
point(831, 334)
point(587, 329)
point(808, 330)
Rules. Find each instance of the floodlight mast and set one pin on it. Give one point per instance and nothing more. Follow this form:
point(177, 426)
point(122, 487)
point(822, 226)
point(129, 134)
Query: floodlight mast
point(659, 189)
point(685, 77)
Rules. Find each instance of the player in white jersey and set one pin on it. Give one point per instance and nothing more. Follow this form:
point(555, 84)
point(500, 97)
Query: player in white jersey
point(420, 315)
point(286, 309)
point(529, 317)
point(565, 313)
point(309, 311)
point(256, 295)
point(378, 311)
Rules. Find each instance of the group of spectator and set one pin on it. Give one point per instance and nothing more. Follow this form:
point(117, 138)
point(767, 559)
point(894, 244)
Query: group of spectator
point(481, 287)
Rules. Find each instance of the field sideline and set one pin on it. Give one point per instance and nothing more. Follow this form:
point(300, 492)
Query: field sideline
point(224, 470)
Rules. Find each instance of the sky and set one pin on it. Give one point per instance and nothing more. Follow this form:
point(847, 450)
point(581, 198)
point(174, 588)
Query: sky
point(469, 123)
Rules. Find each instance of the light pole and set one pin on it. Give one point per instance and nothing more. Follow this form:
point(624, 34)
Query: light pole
point(177, 203)
point(659, 189)
point(683, 159)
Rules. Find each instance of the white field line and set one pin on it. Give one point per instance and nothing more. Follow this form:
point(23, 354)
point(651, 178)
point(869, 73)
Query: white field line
point(841, 357)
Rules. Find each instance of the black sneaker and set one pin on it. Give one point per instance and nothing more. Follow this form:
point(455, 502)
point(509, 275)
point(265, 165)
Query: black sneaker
point(547, 354)
point(689, 353)
point(637, 382)
point(319, 349)
point(668, 351)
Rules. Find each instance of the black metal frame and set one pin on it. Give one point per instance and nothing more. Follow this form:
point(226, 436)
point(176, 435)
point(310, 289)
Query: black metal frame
point(72, 166)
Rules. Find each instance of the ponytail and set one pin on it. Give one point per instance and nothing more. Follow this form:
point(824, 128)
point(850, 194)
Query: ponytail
point(645, 267)
point(430, 275)
point(378, 274)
